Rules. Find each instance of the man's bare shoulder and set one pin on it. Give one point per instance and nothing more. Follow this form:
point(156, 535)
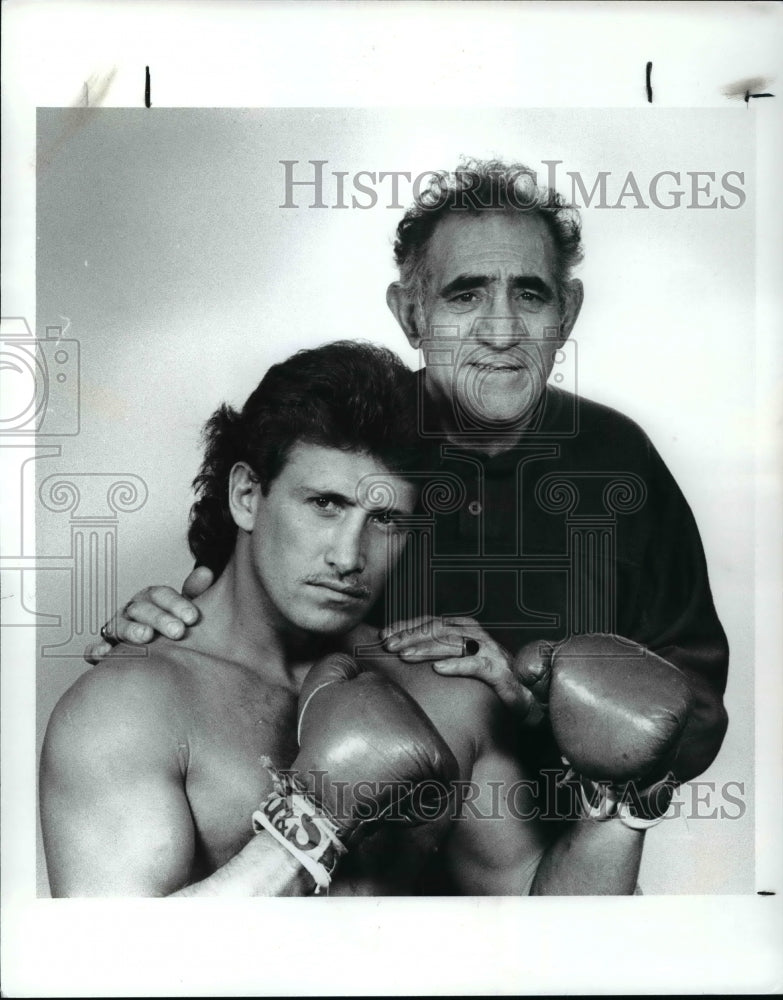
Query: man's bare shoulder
point(130, 700)
point(114, 812)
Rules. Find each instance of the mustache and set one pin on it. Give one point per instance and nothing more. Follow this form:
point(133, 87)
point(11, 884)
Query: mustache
point(352, 587)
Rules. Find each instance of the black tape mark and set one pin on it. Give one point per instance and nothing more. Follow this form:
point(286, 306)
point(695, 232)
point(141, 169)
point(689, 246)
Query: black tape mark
point(648, 80)
point(753, 86)
point(147, 87)
point(748, 96)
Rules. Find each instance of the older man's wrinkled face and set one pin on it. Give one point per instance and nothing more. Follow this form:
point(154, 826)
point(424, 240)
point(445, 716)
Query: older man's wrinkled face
point(492, 321)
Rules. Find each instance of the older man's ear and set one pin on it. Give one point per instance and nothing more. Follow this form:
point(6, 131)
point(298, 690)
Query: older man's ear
point(404, 309)
point(574, 297)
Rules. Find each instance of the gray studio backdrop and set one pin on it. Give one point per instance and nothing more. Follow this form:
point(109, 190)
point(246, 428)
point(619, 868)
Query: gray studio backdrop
point(169, 278)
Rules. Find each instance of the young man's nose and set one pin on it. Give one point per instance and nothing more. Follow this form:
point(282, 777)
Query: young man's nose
point(346, 551)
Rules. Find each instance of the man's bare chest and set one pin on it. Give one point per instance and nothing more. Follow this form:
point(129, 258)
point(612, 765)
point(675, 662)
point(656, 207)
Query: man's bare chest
point(230, 734)
point(226, 779)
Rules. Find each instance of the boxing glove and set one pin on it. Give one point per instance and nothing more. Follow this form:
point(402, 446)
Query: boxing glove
point(381, 754)
point(532, 666)
point(617, 712)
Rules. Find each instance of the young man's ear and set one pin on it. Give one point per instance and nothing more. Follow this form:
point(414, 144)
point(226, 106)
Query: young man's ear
point(243, 493)
point(574, 296)
point(404, 309)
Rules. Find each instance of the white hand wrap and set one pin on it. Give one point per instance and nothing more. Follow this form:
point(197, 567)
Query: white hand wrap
point(297, 823)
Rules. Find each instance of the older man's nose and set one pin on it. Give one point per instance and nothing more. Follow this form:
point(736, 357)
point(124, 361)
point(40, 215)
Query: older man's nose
point(500, 332)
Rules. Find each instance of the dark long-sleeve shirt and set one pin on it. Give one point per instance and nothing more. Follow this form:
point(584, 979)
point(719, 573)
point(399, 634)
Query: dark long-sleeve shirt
point(577, 528)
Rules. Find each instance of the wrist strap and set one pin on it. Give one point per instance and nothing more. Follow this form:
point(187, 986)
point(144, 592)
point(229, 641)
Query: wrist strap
point(296, 822)
point(628, 819)
point(648, 800)
point(599, 803)
point(608, 802)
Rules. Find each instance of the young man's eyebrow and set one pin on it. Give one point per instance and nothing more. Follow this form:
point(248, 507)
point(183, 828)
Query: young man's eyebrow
point(328, 492)
point(305, 491)
point(395, 511)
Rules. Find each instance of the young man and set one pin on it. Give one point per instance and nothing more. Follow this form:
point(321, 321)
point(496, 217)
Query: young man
point(565, 520)
point(254, 757)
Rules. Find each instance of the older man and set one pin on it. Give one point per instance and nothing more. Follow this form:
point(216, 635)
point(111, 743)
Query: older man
point(568, 521)
point(556, 516)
